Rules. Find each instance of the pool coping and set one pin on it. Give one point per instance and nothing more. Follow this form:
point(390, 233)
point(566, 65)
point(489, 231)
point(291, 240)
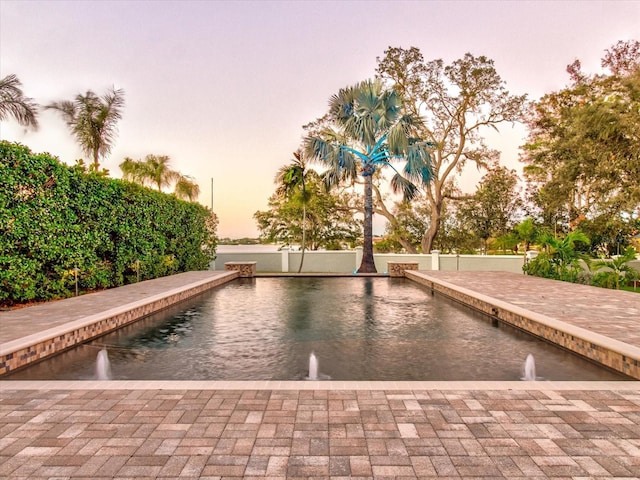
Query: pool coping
point(274, 385)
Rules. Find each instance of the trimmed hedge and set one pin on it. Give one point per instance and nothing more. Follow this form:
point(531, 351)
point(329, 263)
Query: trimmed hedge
point(55, 218)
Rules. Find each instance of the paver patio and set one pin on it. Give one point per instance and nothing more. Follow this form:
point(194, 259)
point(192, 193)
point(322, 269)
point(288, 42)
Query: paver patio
point(155, 433)
point(560, 430)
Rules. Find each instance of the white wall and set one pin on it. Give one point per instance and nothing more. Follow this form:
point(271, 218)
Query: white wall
point(346, 261)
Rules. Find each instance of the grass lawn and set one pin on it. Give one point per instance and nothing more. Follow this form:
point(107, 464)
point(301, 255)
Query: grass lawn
point(631, 289)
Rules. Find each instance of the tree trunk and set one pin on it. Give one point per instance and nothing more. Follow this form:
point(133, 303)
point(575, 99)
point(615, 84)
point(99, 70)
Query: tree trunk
point(430, 235)
point(304, 234)
point(368, 265)
point(406, 245)
point(96, 160)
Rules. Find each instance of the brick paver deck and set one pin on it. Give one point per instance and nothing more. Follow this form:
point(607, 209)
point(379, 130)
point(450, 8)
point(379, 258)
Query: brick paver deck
point(612, 313)
point(19, 323)
point(102, 434)
point(106, 430)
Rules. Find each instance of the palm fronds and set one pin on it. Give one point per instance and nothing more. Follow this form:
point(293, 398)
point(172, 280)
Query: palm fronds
point(14, 104)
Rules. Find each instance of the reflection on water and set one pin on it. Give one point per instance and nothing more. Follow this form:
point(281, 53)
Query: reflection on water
point(369, 328)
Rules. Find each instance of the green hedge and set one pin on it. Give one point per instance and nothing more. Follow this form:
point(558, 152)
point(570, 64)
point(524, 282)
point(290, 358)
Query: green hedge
point(55, 218)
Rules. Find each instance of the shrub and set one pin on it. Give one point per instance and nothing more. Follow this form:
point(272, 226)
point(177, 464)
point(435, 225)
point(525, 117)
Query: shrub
point(54, 218)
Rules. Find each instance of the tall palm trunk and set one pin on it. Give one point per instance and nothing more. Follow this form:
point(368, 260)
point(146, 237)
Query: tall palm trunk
point(304, 232)
point(368, 265)
point(304, 222)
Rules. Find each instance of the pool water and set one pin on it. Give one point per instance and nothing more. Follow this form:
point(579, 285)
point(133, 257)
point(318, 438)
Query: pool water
point(371, 328)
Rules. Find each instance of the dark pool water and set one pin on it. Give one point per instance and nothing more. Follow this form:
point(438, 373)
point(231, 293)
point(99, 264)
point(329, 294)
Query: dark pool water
point(359, 329)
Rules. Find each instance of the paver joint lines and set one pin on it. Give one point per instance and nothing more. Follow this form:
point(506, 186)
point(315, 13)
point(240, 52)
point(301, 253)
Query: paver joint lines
point(373, 434)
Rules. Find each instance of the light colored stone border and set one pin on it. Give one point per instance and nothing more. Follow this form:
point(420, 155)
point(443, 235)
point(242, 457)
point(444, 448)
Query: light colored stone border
point(609, 352)
point(23, 351)
point(631, 386)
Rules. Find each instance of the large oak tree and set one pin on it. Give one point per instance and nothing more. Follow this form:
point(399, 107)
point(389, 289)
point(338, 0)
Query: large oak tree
point(582, 156)
point(457, 102)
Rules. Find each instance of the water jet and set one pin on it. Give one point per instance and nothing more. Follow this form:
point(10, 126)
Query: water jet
point(103, 367)
point(313, 367)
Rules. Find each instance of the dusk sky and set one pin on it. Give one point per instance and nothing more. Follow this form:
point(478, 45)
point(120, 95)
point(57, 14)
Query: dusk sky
point(223, 88)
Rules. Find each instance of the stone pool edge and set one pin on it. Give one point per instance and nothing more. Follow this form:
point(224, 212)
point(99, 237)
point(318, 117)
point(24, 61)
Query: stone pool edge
point(598, 348)
point(276, 385)
point(40, 345)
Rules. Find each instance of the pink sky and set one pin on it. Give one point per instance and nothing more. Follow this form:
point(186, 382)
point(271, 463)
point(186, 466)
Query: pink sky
point(224, 88)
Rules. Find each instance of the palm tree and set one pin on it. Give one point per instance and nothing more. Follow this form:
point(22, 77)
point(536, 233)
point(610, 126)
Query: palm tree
point(186, 188)
point(14, 104)
point(92, 120)
point(527, 231)
point(563, 255)
point(155, 170)
point(618, 267)
point(369, 131)
point(290, 178)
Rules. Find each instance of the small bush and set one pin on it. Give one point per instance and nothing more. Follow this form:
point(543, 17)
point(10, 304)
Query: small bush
point(604, 280)
point(584, 278)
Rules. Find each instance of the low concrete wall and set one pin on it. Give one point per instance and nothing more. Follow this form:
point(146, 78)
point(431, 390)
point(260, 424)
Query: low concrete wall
point(265, 262)
point(346, 261)
point(323, 262)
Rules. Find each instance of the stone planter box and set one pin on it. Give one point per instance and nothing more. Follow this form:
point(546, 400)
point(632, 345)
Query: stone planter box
point(245, 269)
point(396, 269)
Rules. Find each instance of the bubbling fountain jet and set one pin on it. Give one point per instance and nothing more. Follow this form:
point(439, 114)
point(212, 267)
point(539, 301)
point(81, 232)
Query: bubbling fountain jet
point(313, 367)
point(103, 367)
point(529, 368)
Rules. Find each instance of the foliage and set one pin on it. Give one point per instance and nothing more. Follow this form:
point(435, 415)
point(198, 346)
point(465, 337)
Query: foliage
point(81, 166)
point(610, 234)
point(370, 130)
point(291, 180)
point(387, 244)
point(454, 234)
point(582, 155)
point(560, 259)
point(617, 270)
point(528, 232)
point(457, 102)
point(239, 241)
point(492, 210)
point(186, 188)
point(93, 120)
point(408, 222)
point(506, 242)
point(13, 103)
point(327, 223)
point(54, 218)
point(155, 170)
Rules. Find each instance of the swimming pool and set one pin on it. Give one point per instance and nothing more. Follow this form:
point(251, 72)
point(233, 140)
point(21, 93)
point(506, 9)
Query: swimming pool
point(371, 328)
